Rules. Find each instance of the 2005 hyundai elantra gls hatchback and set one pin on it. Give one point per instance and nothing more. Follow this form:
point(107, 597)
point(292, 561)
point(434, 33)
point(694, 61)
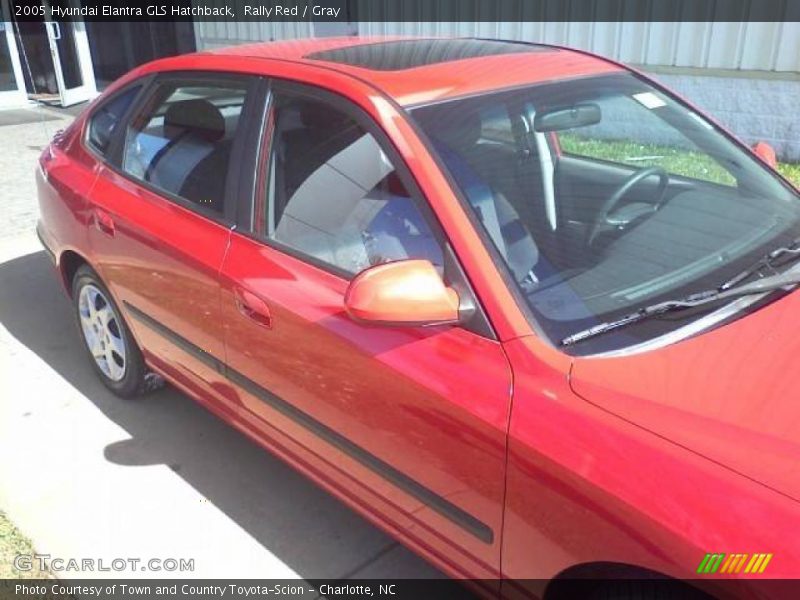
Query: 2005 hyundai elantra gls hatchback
point(519, 306)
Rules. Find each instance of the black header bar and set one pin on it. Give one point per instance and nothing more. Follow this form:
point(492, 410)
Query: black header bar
point(351, 11)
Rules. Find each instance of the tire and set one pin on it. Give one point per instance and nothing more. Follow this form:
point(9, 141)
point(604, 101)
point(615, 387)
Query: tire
point(108, 341)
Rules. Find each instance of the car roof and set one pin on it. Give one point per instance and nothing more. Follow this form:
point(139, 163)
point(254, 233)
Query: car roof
point(415, 71)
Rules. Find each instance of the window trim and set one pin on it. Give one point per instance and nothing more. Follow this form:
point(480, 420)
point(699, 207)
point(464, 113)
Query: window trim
point(231, 200)
point(479, 322)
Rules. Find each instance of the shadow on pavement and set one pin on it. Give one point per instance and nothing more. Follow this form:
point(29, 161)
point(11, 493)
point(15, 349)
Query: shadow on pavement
point(306, 528)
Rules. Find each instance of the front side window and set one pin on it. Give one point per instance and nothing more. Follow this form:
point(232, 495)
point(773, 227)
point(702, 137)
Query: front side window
point(105, 119)
point(604, 195)
point(335, 196)
point(181, 142)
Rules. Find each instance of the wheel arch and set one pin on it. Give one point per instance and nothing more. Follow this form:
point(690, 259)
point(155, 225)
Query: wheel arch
point(68, 264)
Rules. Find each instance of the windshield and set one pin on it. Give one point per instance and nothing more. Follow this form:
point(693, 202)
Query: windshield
point(604, 194)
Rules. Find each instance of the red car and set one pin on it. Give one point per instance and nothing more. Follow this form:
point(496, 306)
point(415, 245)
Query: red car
point(517, 305)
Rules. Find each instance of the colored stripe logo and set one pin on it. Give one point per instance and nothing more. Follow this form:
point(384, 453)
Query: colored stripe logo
point(733, 563)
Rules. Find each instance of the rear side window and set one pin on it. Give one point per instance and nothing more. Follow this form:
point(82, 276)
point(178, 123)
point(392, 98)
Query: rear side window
point(105, 119)
point(182, 141)
point(335, 196)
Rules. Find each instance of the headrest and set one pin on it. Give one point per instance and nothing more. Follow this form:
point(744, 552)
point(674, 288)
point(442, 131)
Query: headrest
point(458, 131)
point(197, 116)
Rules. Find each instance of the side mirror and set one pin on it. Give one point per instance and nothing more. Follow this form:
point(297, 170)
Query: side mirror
point(766, 153)
point(406, 292)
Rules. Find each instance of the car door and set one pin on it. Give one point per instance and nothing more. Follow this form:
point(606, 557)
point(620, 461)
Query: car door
point(161, 218)
point(407, 423)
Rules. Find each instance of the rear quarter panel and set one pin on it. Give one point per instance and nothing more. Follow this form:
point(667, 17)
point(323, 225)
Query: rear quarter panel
point(65, 175)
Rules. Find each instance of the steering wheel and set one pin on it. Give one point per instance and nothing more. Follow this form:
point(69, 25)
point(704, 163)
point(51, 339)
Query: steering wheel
point(604, 219)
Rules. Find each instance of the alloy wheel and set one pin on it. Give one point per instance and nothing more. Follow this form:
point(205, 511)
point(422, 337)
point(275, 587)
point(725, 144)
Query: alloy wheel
point(102, 332)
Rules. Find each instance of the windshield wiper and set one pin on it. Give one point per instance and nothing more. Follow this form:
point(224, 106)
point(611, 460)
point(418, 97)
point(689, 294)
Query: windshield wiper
point(767, 284)
point(767, 261)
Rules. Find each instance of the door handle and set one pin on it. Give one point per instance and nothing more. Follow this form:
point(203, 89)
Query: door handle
point(104, 222)
point(252, 307)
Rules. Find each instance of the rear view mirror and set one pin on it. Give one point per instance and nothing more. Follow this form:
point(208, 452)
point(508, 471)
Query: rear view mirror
point(766, 153)
point(558, 119)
